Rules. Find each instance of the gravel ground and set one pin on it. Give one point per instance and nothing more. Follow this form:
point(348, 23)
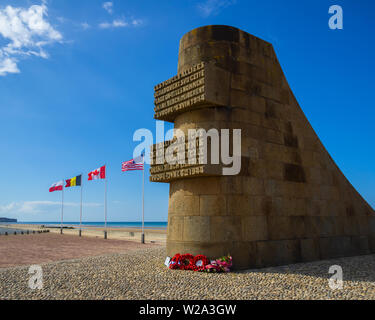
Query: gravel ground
point(141, 275)
point(50, 247)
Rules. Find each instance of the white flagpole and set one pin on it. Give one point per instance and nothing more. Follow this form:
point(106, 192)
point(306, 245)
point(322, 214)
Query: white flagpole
point(105, 205)
point(143, 200)
point(62, 208)
point(80, 215)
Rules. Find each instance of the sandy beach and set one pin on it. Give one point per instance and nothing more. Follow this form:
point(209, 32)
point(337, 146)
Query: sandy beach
point(130, 234)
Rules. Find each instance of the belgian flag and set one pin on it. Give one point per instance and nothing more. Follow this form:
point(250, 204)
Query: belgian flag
point(74, 182)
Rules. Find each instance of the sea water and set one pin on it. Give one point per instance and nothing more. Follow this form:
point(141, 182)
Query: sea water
point(137, 225)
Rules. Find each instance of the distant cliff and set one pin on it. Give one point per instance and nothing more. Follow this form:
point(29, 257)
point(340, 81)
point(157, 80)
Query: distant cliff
point(7, 220)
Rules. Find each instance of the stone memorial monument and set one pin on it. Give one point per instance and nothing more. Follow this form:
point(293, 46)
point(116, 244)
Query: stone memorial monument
point(290, 202)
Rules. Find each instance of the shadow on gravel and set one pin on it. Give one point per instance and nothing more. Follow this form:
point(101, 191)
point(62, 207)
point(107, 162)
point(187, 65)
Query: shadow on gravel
point(359, 268)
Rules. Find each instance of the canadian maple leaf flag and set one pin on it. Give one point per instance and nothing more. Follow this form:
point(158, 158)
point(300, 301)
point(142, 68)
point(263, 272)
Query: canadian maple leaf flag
point(97, 174)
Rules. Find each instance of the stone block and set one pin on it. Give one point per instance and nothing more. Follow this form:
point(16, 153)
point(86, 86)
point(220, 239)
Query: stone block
point(240, 205)
point(175, 227)
point(274, 136)
point(298, 227)
point(361, 245)
point(212, 205)
point(310, 250)
point(197, 228)
point(225, 228)
point(351, 227)
point(371, 224)
point(274, 169)
point(363, 225)
point(254, 228)
point(253, 186)
point(275, 253)
point(312, 227)
point(202, 186)
point(272, 123)
point(245, 116)
point(244, 254)
point(295, 173)
point(280, 228)
point(184, 205)
point(274, 188)
point(334, 247)
point(326, 227)
point(230, 185)
point(371, 240)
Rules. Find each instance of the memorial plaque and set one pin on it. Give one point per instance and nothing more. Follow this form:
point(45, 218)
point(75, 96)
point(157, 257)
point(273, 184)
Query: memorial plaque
point(201, 85)
point(194, 163)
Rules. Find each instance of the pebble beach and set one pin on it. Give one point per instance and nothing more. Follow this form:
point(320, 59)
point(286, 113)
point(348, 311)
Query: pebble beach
point(141, 274)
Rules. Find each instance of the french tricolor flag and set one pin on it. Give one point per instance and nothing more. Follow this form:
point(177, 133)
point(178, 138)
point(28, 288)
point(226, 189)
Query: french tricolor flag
point(97, 174)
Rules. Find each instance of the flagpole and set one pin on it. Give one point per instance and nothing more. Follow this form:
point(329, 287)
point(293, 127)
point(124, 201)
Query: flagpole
point(80, 215)
point(105, 205)
point(62, 209)
point(143, 201)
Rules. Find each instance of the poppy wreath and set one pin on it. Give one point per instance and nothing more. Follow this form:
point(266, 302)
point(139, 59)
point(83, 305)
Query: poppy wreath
point(202, 266)
point(174, 264)
point(189, 262)
point(186, 261)
point(200, 263)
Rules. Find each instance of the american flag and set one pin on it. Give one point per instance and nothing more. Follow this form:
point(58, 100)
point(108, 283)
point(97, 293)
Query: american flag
point(134, 164)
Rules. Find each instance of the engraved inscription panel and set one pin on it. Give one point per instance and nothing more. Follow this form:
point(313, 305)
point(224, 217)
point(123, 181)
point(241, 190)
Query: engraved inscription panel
point(201, 85)
point(193, 163)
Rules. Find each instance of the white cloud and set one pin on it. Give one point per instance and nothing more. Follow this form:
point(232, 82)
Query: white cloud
point(8, 207)
point(61, 19)
point(137, 22)
point(85, 25)
point(213, 7)
point(8, 65)
point(117, 23)
point(108, 6)
point(105, 25)
point(120, 23)
point(30, 207)
point(27, 32)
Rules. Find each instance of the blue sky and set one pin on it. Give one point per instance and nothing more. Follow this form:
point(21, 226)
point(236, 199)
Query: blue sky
point(73, 93)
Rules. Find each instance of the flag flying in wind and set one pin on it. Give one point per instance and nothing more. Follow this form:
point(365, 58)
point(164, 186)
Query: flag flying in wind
point(76, 181)
point(58, 186)
point(97, 174)
point(134, 164)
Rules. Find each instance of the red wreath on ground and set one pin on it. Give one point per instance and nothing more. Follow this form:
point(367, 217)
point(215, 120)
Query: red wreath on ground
point(189, 262)
point(186, 261)
point(174, 264)
point(204, 260)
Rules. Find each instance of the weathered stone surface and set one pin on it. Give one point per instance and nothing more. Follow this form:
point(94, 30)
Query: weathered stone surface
point(203, 84)
point(290, 202)
point(310, 250)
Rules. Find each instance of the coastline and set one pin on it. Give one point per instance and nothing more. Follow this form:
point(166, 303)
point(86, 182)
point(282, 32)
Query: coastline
point(153, 235)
